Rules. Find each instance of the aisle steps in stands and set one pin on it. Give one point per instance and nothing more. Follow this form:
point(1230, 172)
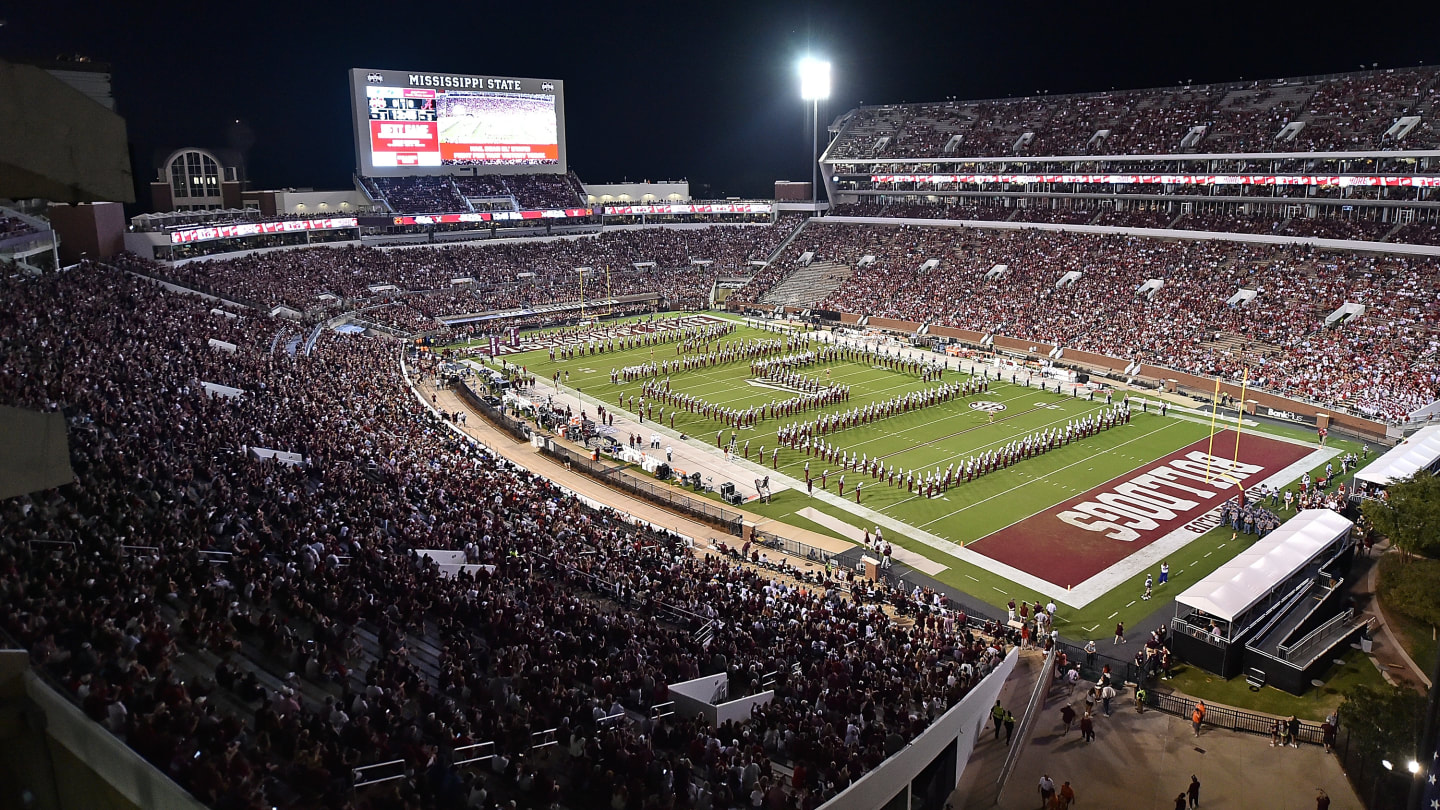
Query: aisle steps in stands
point(785, 243)
point(1231, 343)
point(269, 672)
point(809, 285)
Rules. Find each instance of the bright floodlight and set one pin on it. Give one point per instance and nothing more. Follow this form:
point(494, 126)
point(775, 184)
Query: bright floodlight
point(814, 79)
point(1412, 766)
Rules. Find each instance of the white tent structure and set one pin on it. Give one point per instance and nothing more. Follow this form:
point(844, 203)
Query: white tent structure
point(1419, 452)
point(1234, 588)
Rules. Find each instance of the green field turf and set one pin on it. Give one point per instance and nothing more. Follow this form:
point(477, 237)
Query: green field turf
point(922, 440)
point(935, 436)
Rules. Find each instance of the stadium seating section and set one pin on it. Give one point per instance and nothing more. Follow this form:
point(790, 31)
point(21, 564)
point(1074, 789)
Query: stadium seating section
point(445, 194)
point(1352, 112)
point(1343, 225)
point(298, 279)
point(11, 227)
point(257, 630)
point(1383, 364)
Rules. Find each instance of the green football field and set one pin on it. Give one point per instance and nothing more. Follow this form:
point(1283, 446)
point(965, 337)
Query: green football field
point(921, 440)
point(931, 437)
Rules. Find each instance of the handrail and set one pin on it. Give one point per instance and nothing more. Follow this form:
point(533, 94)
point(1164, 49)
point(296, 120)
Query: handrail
point(1278, 610)
point(1032, 712)
point(1299, 649)
point(1199, 632)
point(476, 747)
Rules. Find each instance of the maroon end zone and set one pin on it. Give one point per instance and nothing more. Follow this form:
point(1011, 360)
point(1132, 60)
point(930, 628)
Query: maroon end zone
point(1072, 541)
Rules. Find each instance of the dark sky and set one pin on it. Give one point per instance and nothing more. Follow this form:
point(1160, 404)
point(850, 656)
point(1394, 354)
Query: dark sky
point(699, 90)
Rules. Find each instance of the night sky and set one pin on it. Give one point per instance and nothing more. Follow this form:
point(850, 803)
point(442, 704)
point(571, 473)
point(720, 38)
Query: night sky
point(704, 91)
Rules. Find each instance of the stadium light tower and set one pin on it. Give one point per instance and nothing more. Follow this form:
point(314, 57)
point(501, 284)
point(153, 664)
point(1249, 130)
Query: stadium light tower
point(814, 85)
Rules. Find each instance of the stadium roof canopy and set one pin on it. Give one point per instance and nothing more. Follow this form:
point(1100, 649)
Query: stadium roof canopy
point(1419, 452)
point(1238, 585)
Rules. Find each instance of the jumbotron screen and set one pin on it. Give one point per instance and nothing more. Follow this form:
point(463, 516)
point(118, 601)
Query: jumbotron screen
point(416, 122)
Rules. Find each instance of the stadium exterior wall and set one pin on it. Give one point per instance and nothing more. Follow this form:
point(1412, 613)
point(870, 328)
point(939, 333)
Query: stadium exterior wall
point(962, 725)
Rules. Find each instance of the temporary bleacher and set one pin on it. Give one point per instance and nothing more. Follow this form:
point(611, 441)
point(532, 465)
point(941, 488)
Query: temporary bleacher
point(1419, 452)
point(1275, 607)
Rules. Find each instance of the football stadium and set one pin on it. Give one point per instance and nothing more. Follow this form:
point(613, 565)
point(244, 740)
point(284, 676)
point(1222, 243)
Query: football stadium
point(472, 483)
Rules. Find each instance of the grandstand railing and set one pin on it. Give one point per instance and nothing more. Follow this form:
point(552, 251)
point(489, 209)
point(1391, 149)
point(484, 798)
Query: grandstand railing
point(795, 548)
point(661, 494)
point(518, 430)
point(1043, 682)
point(1091, 666)
point(113, 760)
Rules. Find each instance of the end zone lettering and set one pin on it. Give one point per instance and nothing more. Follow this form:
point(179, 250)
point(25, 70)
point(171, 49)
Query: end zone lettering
point(1139, 504)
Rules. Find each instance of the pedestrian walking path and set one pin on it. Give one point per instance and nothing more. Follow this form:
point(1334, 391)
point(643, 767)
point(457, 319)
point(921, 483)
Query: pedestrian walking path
point(840, 527)
point(1146, 760)
point(524, 454)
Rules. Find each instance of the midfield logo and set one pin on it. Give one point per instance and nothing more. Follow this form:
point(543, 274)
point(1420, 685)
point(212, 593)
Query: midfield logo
point(986, 405)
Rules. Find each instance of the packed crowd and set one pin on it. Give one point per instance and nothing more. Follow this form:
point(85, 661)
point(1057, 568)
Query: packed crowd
point(1342, 113)
point(445, 194)
point(546, 190)
point(1384, 363)
point(506, 274)
point(256, 629)
point(422, 194)
point(11, 227)
point(1338, 225)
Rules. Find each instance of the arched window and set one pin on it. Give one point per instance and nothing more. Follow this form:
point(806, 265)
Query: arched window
point(195, 176)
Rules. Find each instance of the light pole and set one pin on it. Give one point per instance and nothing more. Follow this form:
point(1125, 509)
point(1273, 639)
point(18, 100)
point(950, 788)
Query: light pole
point(814, 85)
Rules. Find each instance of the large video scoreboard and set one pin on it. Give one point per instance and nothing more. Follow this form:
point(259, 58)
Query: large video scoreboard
point(414, 122)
